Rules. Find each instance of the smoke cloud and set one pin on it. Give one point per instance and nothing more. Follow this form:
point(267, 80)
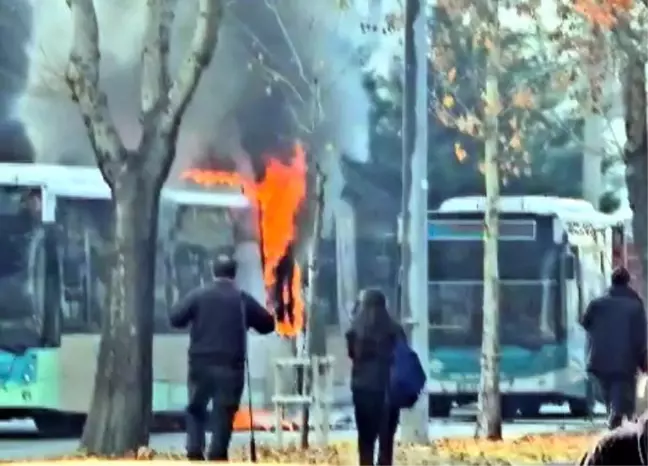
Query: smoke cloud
point(283, 69)
point(14, 33)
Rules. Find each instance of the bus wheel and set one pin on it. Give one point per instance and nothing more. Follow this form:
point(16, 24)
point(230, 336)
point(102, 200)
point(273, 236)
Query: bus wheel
point(530, 408)
point(439, 406)
point(581, 408)
point(58, 425)
point(509, 408)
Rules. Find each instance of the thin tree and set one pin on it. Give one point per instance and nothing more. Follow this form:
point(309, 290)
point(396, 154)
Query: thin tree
point(315, 337)
point(489, 416)
point(118, 420)
point(472, 105)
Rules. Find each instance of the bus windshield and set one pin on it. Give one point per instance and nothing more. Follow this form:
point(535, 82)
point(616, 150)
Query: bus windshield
point(22, 268)
point(530, 309)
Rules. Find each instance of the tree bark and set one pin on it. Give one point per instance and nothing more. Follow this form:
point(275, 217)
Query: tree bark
point(345, 262)
point(315, 328)
point(634, 155)
point(489, 418)
point(118, 420)
point(414, 244)
point(595, 122)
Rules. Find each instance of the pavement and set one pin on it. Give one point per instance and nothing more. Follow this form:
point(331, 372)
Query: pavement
point(19, 439)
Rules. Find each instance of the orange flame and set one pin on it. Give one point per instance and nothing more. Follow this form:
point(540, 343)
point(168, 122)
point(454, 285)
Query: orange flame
point(278, 196)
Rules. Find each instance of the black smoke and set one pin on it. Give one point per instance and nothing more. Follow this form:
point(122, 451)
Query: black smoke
point(15, 24)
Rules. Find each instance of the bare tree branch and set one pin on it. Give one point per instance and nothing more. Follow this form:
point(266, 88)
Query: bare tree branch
point(155, 77)
point(201, 51)
point(83, 79)
point(295, 56)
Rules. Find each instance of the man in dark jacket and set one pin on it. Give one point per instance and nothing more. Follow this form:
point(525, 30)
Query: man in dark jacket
point(220, 315)
point(616, 348)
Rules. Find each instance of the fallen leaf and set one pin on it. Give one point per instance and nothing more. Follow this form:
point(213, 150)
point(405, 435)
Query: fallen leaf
point(448, 101)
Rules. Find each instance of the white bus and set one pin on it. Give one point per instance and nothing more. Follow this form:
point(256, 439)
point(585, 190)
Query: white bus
point(555, 255)
point(55, 222)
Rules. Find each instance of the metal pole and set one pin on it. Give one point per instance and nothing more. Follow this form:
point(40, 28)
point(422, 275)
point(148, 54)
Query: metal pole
point(414, 257)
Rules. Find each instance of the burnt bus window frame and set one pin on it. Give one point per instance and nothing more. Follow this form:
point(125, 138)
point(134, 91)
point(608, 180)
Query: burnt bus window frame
point(171, 247)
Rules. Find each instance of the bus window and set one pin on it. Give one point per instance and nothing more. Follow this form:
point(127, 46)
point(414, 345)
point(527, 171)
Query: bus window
point(22, 265)
point(84, 247)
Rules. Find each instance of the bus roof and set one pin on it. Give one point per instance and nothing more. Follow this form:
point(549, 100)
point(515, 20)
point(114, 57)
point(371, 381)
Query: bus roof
point(538, 205)
point(566, 209)
point(88, 183)
point(192, 197)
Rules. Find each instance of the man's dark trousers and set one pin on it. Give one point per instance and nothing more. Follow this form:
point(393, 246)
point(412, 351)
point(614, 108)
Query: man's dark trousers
point(223, 387)
point(619, 396)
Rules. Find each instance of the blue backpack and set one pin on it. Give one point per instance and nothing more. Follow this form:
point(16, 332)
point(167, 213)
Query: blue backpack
point(407, 376)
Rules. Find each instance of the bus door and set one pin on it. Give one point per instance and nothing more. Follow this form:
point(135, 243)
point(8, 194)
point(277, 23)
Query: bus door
point(84, 226)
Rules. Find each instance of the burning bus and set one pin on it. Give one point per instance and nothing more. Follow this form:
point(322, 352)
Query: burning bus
point(555, 255)
point(54, 272)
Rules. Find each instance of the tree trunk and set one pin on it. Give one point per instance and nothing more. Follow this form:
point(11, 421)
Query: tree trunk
point(119, 416)
point(595, 123)
point(118, 420)
point(315, 328)
point(345, 262)
point(489, 418)
point(414, 243)
point(634, 154)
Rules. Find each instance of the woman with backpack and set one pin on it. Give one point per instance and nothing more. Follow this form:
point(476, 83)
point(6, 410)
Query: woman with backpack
point(370, 342)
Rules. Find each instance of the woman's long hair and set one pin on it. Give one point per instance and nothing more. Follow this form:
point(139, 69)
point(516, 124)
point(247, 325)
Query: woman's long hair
point(372, 321)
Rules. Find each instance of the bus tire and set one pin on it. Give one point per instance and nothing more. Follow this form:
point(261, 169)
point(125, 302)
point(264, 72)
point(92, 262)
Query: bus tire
point(584, 407)
point(581, 408)
point(439, 406)
point(509, 407)
point(54, 425)
point(530, 408)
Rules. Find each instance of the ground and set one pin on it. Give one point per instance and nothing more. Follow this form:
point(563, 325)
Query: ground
point(18, 440)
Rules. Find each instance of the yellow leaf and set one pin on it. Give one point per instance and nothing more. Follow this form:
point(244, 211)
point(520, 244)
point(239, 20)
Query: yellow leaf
point(460, 153)
point(448, 101)
point(523, 99)
point(515, 142)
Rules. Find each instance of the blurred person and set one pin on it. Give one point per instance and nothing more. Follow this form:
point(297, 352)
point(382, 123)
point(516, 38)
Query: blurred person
point(283, 290)
point(625, 445)
point(370, 344)
point(616, 345)
point(220, 315)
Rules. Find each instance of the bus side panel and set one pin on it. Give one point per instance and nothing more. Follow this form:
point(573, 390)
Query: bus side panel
point(170, 373)
point(30, 381)
point(78, 364)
